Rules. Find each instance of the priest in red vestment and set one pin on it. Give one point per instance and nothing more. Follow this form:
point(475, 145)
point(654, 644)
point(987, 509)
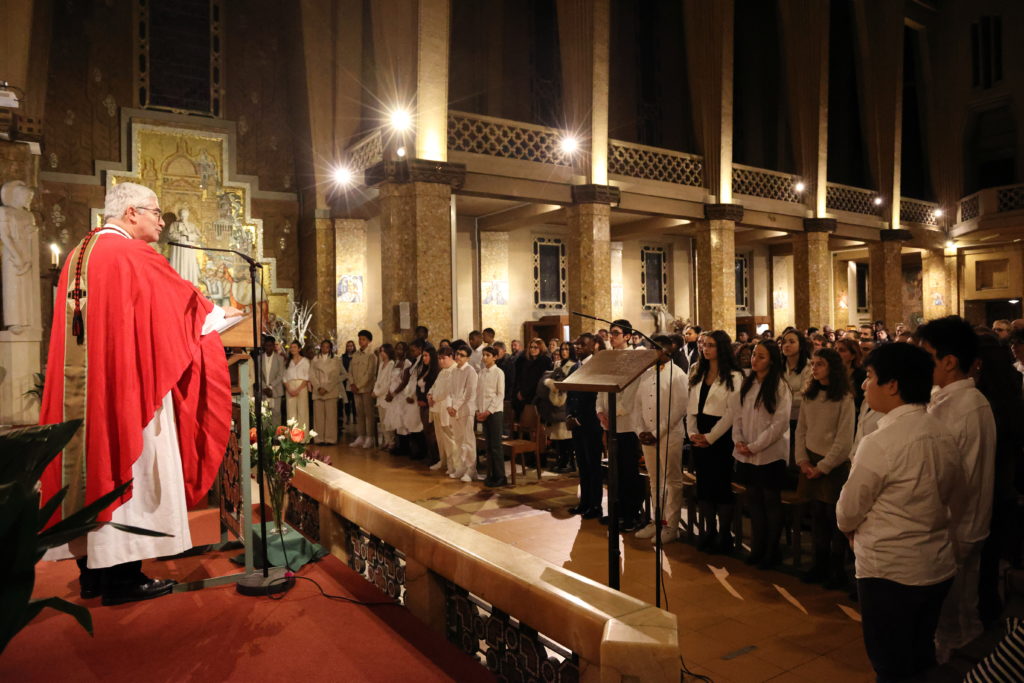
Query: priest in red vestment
point(135, 353)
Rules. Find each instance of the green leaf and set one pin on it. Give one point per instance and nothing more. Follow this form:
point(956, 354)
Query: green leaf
point(51, 506)
point(139, 530)
point(27, 451)
point(80, 613)
point(88, 514)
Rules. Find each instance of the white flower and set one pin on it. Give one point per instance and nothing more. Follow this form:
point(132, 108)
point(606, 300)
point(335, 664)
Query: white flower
point(312, 434)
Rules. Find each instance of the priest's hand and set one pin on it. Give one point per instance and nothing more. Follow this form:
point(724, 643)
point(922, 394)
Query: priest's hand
point(232, 312)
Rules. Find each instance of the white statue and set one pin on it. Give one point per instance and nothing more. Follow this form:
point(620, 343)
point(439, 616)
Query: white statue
point(20, 264)
point(183, 260)
point(663, 319)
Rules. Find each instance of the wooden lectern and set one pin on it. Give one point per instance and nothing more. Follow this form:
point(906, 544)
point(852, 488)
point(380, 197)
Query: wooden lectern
point(239, 335)
point(611, 372)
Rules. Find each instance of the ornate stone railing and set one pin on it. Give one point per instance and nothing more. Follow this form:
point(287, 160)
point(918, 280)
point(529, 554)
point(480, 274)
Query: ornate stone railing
point(991, 200)
point(917, 211)
point(1010, 198)
point(521, 616)
point(652, 163)
point(852, 199)
point(760, 182)
point(970, 208)
point(495, 137)
point(365, 153)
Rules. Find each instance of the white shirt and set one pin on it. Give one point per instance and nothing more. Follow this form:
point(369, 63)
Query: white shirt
point(490, 390)
point(476, 357)
point(297, 370)
point(766, 434)
point(867, 422)
point(719, 402)
point(674, 390)
point(441, 393)
point(625, 402)
point(966, 413)
point(904, 488)
point(463, 388)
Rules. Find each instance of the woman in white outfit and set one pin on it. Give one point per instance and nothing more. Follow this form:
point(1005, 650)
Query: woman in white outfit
point(296, 386)
point(385, 364)
point(327, 377)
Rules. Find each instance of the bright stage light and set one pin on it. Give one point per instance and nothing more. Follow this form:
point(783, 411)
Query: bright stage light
point(878, 201)
point(950, 244)
point(401, 120)
point(342, 176)
point(938, 213)
point(400, 151)
point(569, 144)
point(800, 187)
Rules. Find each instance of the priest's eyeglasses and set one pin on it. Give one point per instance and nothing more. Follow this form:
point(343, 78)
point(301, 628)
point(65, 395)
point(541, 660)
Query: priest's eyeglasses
point(156, 212)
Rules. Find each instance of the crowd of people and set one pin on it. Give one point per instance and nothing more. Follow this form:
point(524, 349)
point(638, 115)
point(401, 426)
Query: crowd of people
point(901, 447)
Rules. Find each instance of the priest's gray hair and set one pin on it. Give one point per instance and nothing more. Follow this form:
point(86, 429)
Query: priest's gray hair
point(124, 195)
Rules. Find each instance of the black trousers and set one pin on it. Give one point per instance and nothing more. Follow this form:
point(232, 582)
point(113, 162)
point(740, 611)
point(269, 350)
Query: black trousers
point(631, 494)
point(586, 441)
point(899, 626)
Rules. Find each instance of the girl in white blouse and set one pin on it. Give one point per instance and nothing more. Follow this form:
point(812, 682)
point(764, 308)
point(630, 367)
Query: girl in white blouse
point(296, 386)
point(761, 434)
point(713, 381)
point(385, 366)
point(327, 379)
point(824, 436)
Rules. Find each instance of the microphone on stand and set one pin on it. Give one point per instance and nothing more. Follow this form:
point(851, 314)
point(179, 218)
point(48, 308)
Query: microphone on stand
point(245, 257)
point(624, 328)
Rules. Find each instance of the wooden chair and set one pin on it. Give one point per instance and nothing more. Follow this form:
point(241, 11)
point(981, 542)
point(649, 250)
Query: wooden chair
point(531, 426)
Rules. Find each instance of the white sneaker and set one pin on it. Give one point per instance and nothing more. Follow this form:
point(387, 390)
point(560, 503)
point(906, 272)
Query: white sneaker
point(647, 531)
point(368, 442)
point(357, 443)
point(467, 477)
point(437, 465)
point(455, 475)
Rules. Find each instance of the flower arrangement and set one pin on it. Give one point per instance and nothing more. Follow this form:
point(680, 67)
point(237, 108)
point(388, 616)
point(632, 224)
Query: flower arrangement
point(284, 448)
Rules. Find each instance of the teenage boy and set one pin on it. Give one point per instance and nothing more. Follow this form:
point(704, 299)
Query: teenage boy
point(439, 400)
point(904, 496)
point(362, 374)
point(490, 392)
point(461, 411)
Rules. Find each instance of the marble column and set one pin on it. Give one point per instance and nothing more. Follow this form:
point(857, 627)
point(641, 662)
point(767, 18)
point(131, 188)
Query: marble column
point(886, 277)
point(416, 244)
point(716, 267)
point(812, 273)
point(589, 254)
point(953, 281)
point(934, 285)
point(325, 319)
point(840, 293)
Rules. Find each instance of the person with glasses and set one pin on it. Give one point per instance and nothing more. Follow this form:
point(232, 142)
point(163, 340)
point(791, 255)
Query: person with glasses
point(144, 369)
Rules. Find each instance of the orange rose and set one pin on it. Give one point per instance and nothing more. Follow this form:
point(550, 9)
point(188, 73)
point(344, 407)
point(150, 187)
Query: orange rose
point(252, 435)
point(281, 430)
point(298, 435)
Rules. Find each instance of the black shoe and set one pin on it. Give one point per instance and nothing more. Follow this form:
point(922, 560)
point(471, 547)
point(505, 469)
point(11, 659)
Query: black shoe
point(593, 513)
point(147, 589)
point(494, 484)
point(627, 526)
point(770, 561)
point(707, 541)
point(835, 583)
point(90, 581)
point(578, 509)
point(815, 574)
point(755, 557)
point(724, 545)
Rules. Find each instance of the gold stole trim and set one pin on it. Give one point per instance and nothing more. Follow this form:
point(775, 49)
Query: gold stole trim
point(73, 462)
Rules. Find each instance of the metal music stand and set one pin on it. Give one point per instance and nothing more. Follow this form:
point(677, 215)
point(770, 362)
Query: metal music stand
point(611, 372)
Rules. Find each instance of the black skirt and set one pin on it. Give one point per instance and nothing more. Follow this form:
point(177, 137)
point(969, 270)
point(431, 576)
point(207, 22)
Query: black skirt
point(714, 465)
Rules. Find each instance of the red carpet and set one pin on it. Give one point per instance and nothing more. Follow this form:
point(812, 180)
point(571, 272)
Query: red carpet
point(218, 635)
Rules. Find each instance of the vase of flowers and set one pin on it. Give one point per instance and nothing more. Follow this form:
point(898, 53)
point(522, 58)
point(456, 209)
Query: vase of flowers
point(284, 448)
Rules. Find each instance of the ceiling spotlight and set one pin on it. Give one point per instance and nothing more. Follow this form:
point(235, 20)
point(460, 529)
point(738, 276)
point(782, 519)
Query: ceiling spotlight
point(400, 151)
point(569, 144)
point(1013, 301)
point(878, 201)
point(342, 176)
point(937, 213)
point(401, 120)
point(800, 187)
point(950, 244)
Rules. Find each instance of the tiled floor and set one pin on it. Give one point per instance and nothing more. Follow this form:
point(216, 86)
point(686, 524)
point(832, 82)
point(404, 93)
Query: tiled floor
point(759, 636)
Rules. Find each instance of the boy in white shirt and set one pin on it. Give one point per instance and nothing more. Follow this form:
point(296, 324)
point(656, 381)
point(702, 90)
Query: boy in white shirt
point(490, 392)
point(462, 411)
point(439, 399)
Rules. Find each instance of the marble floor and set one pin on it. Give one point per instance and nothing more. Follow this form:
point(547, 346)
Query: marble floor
point(735, 623)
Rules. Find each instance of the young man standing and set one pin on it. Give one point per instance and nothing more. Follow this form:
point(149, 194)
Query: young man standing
point(490, 391)
point(966, 413)
point(904, 496)
point(362, 374)
point(439, 400)
point(476, 345)
point(581, 418)
point(461, 411)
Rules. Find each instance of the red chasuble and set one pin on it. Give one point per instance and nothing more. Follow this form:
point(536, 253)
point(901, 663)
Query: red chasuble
point(142, 325)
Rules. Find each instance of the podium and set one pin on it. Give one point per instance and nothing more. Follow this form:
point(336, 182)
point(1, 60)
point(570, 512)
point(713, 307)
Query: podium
point(611, 372)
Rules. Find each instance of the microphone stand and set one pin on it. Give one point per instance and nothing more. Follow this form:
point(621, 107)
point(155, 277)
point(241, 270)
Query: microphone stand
point(268, 582)
point(658, 549)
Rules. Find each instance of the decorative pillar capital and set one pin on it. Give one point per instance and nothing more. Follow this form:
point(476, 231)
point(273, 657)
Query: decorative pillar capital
point(819, 225)
point(416, 171)
point(896, 235)
point(723, 212)
point(595, 194)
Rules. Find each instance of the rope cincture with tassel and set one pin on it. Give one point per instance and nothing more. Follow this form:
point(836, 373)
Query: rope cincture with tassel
point(76, 294)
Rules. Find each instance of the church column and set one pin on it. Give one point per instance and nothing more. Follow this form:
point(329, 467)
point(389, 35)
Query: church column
point(326, 315)
point(886, 281)
point(840, 293)
point(934, 287)
point(716, 267)
point(350, 277)
point(416, 238)
point(812, 273)
point(589, 254)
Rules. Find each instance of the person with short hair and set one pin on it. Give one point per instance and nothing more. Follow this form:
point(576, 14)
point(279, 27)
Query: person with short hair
point(439, 400)
point(462, 410)
point(490, 411)
point(488, 336)
point(904, 496)
point(581, 418)
point(965, 412)
point(362, 377)
point(476, 346)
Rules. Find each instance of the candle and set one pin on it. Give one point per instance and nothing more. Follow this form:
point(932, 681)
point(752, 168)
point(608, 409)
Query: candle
point(54, 256)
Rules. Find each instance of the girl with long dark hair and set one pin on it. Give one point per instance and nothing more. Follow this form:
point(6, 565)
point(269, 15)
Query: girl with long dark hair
point(709, 416)
point(429, 369)
point(529, 370)
point(350, 403)
point(824, 437)
point(296, 386)
point(385, 366)
point(796, 352)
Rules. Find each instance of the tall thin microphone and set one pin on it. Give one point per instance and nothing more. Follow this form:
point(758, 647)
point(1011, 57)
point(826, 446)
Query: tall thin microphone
point(248, 259)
